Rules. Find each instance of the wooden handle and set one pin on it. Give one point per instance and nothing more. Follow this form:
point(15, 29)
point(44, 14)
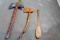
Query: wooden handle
point(12, 21)
point(28, 20)
point(38, 29)
point(25, 28)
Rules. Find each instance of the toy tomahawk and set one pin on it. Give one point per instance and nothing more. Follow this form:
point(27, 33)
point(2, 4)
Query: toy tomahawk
point(16, 6)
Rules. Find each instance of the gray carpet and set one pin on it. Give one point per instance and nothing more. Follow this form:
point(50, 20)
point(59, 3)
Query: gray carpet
point(49, 20)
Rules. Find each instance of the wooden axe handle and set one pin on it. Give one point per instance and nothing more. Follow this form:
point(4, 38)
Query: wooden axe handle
point(38, 29)
point(25, 28)
point(12, 21)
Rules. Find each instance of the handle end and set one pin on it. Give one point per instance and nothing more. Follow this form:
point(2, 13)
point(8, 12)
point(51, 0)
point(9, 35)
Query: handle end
point(38, 32)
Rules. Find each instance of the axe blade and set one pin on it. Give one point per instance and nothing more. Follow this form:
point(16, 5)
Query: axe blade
point(12, 5)
point(20, 6)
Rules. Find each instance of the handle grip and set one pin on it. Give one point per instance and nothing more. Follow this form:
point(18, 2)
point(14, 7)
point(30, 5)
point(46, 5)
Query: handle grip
point(9, 32)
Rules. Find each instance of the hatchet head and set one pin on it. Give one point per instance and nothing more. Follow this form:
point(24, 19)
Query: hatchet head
point(28, 10)
point(13, 5)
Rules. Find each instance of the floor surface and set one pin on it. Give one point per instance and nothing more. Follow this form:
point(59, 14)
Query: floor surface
point(49, 20)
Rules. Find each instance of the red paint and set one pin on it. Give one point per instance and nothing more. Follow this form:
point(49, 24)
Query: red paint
point(12, 21)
